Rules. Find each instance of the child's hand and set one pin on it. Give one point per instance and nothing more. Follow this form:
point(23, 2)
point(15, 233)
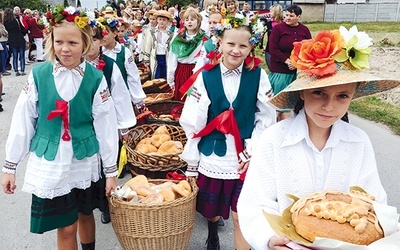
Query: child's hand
point(278, 243)
point(8, 183)
point(111, 184)
point(243, 166)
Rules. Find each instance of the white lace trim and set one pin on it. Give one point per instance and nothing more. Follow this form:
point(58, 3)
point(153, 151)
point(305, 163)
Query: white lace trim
point(50, 194)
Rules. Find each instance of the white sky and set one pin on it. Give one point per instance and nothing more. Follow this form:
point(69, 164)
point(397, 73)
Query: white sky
point(92, 4)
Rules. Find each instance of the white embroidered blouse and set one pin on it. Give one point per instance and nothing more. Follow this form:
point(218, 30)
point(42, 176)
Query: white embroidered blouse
point(286, 162)
point(49, 179)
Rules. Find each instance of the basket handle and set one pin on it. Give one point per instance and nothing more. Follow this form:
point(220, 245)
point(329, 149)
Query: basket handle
point(111, 201)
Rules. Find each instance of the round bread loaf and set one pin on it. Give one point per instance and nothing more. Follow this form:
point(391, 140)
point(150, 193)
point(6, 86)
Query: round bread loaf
point(348, 217)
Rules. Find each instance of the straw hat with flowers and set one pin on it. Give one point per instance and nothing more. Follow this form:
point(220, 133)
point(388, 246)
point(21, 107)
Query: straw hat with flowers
point(149, 13)
point(332, 58)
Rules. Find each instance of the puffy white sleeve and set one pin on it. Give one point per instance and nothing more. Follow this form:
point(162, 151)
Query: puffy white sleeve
point(265, 115)
point(134, 83)
point(122, 101)
point(258, 194)
point(172, 63)
point(22, 128)
point(105, 126)
point(193, 119)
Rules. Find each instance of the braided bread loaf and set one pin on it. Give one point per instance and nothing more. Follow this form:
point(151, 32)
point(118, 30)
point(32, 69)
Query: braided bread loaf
point(348, 217)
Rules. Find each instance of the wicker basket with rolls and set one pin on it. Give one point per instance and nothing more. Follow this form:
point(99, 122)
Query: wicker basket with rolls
point(154, 214)
point(348, 217)
point(164, 112)
point(153, 149)
point(159, 85)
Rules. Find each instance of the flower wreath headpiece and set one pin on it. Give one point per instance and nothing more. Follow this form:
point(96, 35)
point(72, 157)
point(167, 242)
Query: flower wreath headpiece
point(318, 56)
point(109, 21)
point(231, 22)
point(70, 14)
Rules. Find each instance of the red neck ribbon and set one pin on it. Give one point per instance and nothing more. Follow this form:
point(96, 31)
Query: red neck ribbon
point(61, 110)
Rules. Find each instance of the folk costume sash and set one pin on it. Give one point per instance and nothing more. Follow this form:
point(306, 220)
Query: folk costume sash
point(183, 47)
point(75, 115)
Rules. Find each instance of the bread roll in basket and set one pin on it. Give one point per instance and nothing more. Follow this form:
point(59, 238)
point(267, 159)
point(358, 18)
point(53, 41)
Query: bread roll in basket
point(348, 217)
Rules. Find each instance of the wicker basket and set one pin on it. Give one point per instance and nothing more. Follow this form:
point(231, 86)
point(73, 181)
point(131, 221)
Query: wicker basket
point(158, 87)
point(153, 166)
point(167, 225)
point(164, 108)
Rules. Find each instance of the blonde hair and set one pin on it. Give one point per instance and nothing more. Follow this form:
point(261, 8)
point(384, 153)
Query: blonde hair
point(192, 12)
point(86, 38)
point(207, 3)
point(278, 11)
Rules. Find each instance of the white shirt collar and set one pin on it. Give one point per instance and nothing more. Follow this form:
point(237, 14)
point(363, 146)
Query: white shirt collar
point(78, 70)
point(298, 131)
point(224, 69)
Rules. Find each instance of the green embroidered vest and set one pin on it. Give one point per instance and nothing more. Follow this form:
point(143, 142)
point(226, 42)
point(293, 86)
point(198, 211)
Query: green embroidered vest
point(209, 45)
point(108, 69)
point(120, 61)
point(48, 132)
point(244, 107)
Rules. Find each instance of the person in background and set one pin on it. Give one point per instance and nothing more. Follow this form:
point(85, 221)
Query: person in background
point(223, 117)
point(220, 4)
point(283, 35)
point(3, 44)
point(36, 27)
point(232, 7)
point(16, 40)
point(205, 13)
point(317, 149)
point(274, 17)
point(65, 120)
point(150, 23)
point(184, 50)
point(25, 20)
point(157, 45)
point(246, 11)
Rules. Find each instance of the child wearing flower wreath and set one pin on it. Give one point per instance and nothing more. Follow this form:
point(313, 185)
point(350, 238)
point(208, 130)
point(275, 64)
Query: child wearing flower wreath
point(124, 59)
point(317, 149)
point(66, 119)
point(185, 48)
point(222, 117)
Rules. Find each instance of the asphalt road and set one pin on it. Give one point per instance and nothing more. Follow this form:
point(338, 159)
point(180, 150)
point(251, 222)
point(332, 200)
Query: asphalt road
point(15, 209)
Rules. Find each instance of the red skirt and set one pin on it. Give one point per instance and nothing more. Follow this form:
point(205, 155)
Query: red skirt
point(217, 197)
point(182, 73)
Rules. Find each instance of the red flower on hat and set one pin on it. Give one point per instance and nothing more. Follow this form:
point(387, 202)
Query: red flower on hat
point(316, 56)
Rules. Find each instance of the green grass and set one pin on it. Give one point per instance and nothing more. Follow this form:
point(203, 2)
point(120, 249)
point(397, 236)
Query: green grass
point(375, 109)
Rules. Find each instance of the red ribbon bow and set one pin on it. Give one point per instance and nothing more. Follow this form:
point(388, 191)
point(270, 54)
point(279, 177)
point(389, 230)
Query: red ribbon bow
point(101, 64)
point(226, 124)
point(61, 110)
point(253, 59)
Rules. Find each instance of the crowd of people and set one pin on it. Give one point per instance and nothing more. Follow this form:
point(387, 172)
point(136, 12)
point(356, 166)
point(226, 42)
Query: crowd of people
point(248, 131)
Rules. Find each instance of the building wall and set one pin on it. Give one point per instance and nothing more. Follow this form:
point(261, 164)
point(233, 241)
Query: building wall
point(311, 12)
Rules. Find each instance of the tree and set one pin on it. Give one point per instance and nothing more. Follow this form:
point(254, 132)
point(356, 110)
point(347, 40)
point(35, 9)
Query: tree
point(66, 4)
point(180, 2)
point(79, 4)
point(40, 5)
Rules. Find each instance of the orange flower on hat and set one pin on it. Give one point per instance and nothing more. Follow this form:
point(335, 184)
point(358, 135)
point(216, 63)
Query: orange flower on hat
point(315, 56)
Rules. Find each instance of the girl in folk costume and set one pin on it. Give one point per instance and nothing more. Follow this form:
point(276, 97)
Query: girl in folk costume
point(317, 149)
point(66, 118)
point(123, 35)
point(157, 44)
point(118, 89)
point(124, 59)
point(115, 81)
point(214, 18)
point(150, 23)
point(222, 117)
point(185, 49)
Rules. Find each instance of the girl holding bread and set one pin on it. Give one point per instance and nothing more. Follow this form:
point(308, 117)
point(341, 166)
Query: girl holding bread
point(222, 117)
point(65, 118)
point(317, 149)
